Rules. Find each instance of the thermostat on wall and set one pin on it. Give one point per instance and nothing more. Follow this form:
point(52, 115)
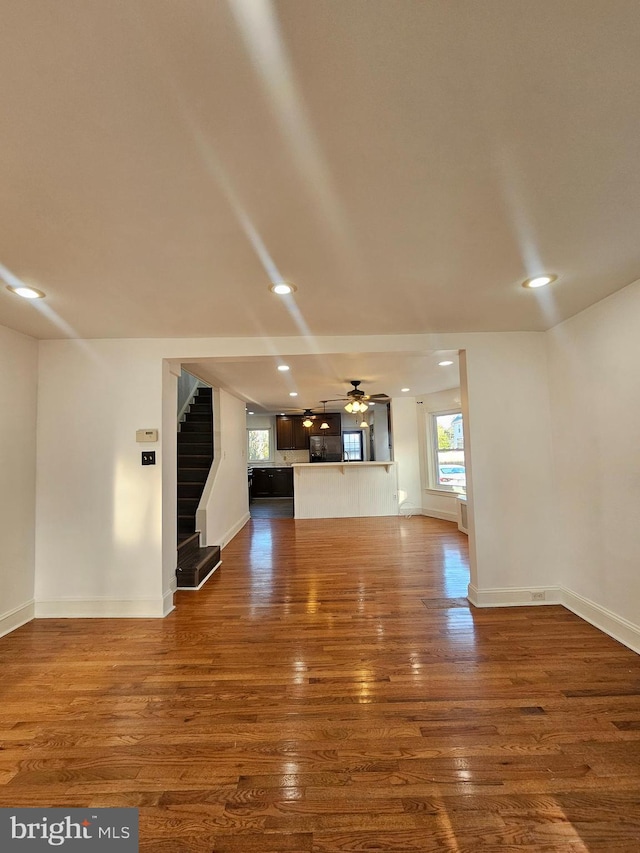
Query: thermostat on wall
point(146, 435)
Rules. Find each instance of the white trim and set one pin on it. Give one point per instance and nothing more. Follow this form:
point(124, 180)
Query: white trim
point(605, 620)
point(101, 608)
point(202, 583)
point(442, 514)
point(514, 596)
point(232, 531)
point(167, 601)
point(256, 463)
point(615, 626)
point(17, 617)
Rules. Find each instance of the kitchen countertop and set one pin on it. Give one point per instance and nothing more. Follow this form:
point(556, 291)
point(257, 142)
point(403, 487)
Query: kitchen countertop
point(339, 464)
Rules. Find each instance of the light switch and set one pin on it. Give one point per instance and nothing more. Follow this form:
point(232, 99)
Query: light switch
point(149, 458)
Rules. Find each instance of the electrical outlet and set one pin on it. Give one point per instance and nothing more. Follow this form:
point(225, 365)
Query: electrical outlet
point(537, 596)
point(149, 457)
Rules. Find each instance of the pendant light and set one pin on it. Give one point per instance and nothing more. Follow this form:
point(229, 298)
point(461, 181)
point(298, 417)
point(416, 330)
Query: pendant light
point(324, 424)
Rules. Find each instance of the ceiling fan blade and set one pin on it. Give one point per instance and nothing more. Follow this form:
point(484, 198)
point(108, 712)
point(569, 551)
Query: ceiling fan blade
point(379, 397)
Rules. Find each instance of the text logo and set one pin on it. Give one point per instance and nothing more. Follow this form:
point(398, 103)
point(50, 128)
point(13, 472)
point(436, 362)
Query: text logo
point(103, 830)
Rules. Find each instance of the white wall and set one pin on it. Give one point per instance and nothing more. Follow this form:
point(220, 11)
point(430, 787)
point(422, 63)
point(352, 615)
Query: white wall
point(511, 510)
point(594, 375)
point(99, 526)
point(18, 399)
point(406, 452)
point(437, 504)
point(99, 512)
point(99, 536)
point(226, 496)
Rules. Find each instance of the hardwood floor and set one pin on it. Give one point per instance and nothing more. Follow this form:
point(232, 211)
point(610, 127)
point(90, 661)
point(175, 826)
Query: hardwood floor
point(330, 690)
point(271, 508)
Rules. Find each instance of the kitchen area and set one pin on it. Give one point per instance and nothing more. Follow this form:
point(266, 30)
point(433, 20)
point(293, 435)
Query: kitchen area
point(299, 471)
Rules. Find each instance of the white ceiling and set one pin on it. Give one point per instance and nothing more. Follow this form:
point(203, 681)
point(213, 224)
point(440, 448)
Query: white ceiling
point(407, 165)
point(327, 377)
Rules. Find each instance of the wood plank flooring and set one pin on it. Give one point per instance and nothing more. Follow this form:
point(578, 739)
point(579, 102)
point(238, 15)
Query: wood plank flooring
point(330, 690)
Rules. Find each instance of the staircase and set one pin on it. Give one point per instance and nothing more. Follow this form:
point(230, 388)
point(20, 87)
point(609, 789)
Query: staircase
point(195, 455)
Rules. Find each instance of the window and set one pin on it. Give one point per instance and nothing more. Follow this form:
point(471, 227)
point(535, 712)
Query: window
point(352, 445)
point(259, 445)
point(447, 465)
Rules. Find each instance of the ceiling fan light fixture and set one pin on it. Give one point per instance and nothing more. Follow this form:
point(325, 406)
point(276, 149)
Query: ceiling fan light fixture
point(355, 406)
point(307, 422)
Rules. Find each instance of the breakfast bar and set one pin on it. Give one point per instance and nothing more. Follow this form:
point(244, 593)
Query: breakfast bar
point(345, 489)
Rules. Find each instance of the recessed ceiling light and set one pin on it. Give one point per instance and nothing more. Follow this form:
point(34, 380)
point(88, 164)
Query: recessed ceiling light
point(539, 281)
point(444, 363)
point(283, 367)
point(26, 292)
point(282, 288)
point(252, 413)
point(405, 389)
point(293, 393)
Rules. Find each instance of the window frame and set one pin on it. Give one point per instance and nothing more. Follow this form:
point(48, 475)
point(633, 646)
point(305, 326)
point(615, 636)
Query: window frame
point(269, 431)
point(357, 432)
point(433, 462)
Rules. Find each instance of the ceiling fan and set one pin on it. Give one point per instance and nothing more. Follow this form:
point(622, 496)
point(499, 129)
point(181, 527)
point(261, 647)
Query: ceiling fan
point(357, 400)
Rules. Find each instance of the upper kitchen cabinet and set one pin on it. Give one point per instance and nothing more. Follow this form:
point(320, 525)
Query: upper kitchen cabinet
point(290, 434)
point(334, 419)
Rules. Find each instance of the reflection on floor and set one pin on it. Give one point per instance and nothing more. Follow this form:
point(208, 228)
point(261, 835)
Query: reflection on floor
point(271, 508)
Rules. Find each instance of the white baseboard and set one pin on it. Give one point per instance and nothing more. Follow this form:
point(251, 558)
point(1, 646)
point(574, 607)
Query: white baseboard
point(202, 582)
point(615, 626)
point(167, 601)
point(231, 532)
point(101, 608)
point(610, 623)
point(17, 617)
point(514, 596)
point(437, 513)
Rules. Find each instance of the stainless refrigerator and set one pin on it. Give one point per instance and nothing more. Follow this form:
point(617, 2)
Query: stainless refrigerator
point(325, 448)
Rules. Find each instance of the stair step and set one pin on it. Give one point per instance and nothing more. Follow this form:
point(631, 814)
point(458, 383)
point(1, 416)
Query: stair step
point(190, 490)
point(203, 427)
point(188, 505)
point(186, 524)
point(199, 417)
point(199, 462)
point(197, 565)
point(192, 442)
point(187, 545)
point(194, 475)
point(190, 436)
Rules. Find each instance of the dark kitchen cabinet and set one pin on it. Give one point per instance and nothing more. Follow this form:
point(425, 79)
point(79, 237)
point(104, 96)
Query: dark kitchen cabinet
point(334, 419)
point(272, 483)
point(290, 434)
